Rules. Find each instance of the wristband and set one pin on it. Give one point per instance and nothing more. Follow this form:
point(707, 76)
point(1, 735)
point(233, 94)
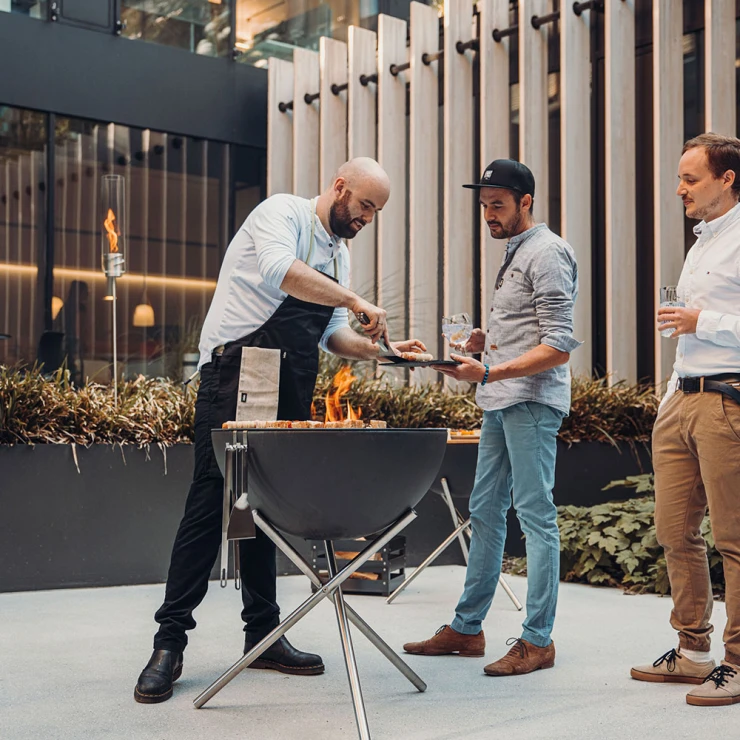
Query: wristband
point(485, 376)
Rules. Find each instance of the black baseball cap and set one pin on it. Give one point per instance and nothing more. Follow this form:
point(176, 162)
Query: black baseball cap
point(506, 173)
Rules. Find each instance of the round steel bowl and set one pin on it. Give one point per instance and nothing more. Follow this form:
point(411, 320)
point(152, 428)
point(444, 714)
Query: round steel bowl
point(336, 483)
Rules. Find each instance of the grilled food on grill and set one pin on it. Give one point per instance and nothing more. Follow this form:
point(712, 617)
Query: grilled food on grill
point(346, 424)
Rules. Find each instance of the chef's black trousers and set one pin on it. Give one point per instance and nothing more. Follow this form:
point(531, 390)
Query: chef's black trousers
point(199, 538)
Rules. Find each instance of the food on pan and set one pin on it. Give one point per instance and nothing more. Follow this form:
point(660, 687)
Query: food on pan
point(417, 356)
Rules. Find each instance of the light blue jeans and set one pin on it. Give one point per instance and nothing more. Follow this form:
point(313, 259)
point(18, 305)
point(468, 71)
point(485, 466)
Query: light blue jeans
point(516, 455)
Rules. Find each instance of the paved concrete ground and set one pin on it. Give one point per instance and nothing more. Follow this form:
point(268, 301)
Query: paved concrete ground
point(69, 661)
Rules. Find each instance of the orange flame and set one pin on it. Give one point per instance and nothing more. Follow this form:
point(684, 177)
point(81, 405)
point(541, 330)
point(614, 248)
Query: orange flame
point(341, 384)
point(111, 232)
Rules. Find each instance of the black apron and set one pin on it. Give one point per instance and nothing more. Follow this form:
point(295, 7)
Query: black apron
point(295, 329)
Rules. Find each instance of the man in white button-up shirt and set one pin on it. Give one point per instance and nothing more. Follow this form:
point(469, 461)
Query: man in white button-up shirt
point(696, 439)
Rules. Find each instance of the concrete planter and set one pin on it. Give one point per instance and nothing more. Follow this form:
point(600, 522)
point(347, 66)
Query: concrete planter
point(114, 521)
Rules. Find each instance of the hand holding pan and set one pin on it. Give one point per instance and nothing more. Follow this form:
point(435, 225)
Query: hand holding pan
point(404, 359)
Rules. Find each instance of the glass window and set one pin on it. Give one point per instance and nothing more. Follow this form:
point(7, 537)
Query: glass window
point(23, 182)
point(173, 233)
point(265, 29)
point(31, 8)
point(200, 26)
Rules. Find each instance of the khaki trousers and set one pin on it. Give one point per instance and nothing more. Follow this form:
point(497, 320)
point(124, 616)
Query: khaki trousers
point(696, 455)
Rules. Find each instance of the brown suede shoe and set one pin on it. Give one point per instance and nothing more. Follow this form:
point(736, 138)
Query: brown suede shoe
point(447, 641)
point(524, 657)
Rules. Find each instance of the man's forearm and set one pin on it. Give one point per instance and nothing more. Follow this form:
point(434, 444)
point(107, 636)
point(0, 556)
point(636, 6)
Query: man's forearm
point(307, 284)
point(350, 345)
point(537, 360)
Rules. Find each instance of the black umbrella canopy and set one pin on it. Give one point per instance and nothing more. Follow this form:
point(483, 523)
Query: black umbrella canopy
point(336, 483)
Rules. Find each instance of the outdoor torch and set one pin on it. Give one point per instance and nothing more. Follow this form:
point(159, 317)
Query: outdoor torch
point(112, 202)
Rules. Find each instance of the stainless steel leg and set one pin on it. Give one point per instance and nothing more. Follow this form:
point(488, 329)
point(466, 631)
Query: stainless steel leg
point(446, 543)
point(303, 609)
point(354, 617)
point(447, 496)
point(349, 653)
point(501, 580)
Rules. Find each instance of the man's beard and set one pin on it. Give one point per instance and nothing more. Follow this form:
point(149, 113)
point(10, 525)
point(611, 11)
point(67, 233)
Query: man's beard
point(340, 217)
point(512, 228)
point(701, 213)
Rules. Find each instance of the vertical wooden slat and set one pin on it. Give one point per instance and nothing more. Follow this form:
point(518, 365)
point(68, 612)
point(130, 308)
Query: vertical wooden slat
point(575, 178)
point(279, 127)
point(533, 116)
point(719, 67)
point(392, 263)
point(305, 123)
point(621, 291)
point(362, 142)
point(459, 279)
point(332, 109)
point(495, 124)
point(424, 243)
point(667, 143)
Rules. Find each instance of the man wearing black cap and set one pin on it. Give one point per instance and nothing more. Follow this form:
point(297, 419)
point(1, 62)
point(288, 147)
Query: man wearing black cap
point(524, 390)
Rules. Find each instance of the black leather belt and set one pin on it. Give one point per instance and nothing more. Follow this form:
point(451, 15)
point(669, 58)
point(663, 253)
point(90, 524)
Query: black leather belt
point(727, 383)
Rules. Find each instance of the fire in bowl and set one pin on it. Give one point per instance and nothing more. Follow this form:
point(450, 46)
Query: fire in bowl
point(336, 483)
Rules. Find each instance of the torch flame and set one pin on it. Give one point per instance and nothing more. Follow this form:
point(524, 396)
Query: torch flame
point(341, 383)
point(111, 232)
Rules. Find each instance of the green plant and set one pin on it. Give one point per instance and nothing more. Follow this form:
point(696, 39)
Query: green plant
point(34, 409)
point(614, 544)
point(604, 413)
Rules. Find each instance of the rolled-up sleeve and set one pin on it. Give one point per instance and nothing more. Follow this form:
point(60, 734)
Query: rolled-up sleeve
point(275, 230)
point(339, 319)
point(555, 287)
point(722, 329)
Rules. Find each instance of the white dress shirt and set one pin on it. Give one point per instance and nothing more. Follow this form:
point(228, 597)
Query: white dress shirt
point(710, 280)
point(276, 232)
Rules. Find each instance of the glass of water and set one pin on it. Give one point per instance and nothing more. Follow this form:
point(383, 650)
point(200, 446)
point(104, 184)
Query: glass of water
point(457, 328)
point(669, 299)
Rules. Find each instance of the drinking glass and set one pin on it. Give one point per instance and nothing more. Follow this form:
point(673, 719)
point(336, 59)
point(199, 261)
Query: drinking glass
point(457, 328)
point(669, 299)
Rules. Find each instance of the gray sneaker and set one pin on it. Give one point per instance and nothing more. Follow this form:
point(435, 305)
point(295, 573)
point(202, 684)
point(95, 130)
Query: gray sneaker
point(720, 688)
point(672, 667)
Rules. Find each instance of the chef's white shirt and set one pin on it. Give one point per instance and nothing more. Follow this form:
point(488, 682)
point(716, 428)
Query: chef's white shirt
point(276, 232)
point(710, 280)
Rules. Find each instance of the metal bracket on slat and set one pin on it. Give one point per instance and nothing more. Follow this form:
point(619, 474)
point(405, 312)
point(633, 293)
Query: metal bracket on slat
point(595, 5)
point(540, 20)
point(396, 69)
point(500, 33)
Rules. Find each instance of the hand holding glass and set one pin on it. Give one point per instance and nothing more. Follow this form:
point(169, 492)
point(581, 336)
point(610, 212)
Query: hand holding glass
point(457, 328)
point(669, 299)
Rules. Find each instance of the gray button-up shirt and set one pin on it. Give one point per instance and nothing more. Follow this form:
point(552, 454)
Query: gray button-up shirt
point(532, 305)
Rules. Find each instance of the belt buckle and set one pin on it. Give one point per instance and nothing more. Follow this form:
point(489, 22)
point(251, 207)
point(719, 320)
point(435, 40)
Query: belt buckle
point(692, 385)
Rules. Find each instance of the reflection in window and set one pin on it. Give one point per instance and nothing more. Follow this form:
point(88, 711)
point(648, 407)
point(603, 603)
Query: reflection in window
point(31, 8)
point(23, 182)
point(174, 233)
point(275, 28)
point(200, 26)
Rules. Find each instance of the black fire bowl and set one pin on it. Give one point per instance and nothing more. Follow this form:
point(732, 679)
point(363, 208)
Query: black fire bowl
point(332, 484)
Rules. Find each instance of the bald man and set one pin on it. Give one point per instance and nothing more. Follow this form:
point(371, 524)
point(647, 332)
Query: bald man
point(283, 292)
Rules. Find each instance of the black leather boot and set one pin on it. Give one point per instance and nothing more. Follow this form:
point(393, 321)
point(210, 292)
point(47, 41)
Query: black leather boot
point(283, 657)
point(155, 681)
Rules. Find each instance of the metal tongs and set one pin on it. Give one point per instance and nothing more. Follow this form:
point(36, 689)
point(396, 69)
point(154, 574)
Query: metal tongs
point(237, 521)
point(385, 352)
